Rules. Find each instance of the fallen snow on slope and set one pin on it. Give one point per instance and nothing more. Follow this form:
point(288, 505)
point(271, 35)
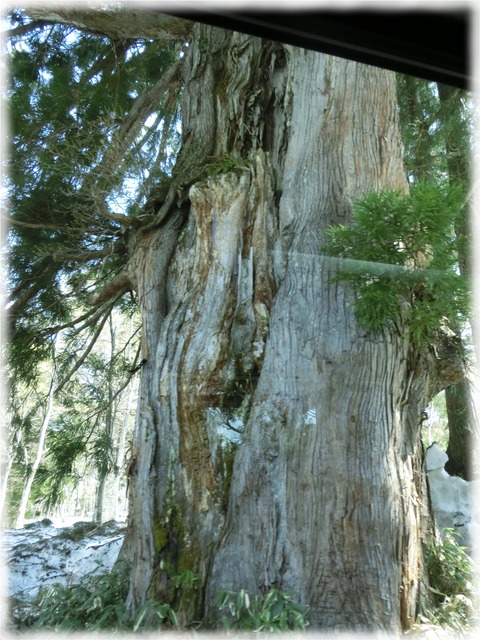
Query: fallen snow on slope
point(41, 554)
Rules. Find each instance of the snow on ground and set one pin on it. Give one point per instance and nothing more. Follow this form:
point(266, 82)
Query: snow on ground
point(41, 554)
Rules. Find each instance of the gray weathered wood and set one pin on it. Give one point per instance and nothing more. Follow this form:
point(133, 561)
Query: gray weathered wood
point(326, 488)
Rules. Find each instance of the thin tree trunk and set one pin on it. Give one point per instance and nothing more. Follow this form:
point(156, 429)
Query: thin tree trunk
point(20, 521)
point(460, 410)
point(110, 413)
point(120, 435)
point(99, 499)
point(120, 457)
point(460, 438)
point(6, 468)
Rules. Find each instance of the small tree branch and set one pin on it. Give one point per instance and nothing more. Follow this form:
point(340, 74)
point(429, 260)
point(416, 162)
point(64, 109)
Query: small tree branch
point(125, 23)
point(88, 319)
point(146, 104)
point(23, 29)
point(115, 217)
point(31, 225)
point(87, 256)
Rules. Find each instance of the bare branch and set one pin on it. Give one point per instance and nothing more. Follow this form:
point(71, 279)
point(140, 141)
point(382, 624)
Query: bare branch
point(146, 104)
point(87, 256)
point(32, 225)
point(113, 165)
point(104, 211)
point(126, 22)
point(22, 30)
point(95, 414)
point(91, 316)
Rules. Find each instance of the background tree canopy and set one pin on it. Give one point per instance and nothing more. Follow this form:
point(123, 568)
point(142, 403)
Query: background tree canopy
point(93, 130)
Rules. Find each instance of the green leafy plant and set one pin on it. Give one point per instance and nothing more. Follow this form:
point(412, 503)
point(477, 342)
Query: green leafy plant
point(451, 575)
point(96, 604)
point(225, 164)
point(275, 611)
point(187, 579)
point(154, 615)
point(400, 255)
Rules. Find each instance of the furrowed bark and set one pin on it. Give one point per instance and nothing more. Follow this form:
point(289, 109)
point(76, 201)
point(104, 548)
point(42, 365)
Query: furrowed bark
point(320, 480)
point(322, 490)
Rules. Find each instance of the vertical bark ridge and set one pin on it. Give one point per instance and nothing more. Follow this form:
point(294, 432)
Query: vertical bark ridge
point(315, 481)
point(227, 295)
point(151, 255)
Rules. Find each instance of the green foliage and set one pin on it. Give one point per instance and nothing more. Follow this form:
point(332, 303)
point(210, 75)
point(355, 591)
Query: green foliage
point(428, 122)
point(57, 474)
point(74, 180)
point(187, 579)
point(225, 164)
point(414, 233)
point(153, 615)
point(95, 604)
point(98, 604)
point(69, 95)
point(275, 611)
point(451, 576)
point(82, 437)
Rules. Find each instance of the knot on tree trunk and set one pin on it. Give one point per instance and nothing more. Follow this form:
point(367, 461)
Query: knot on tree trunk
point(119, 285)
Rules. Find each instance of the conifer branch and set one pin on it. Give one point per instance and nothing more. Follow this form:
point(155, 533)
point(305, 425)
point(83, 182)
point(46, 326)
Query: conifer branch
point(117, 247)
point(87, 351)
point(32, 225)
point(26, 291)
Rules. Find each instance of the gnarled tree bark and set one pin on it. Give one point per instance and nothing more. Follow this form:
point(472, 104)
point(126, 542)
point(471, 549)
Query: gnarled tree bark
point(325, 491)
point(276, 443)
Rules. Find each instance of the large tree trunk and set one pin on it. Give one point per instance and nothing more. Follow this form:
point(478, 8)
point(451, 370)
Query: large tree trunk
point(242, 321)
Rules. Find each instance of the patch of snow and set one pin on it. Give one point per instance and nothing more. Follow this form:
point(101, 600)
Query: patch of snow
point(453, 499)
point(310, 417)
point(41, 554)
